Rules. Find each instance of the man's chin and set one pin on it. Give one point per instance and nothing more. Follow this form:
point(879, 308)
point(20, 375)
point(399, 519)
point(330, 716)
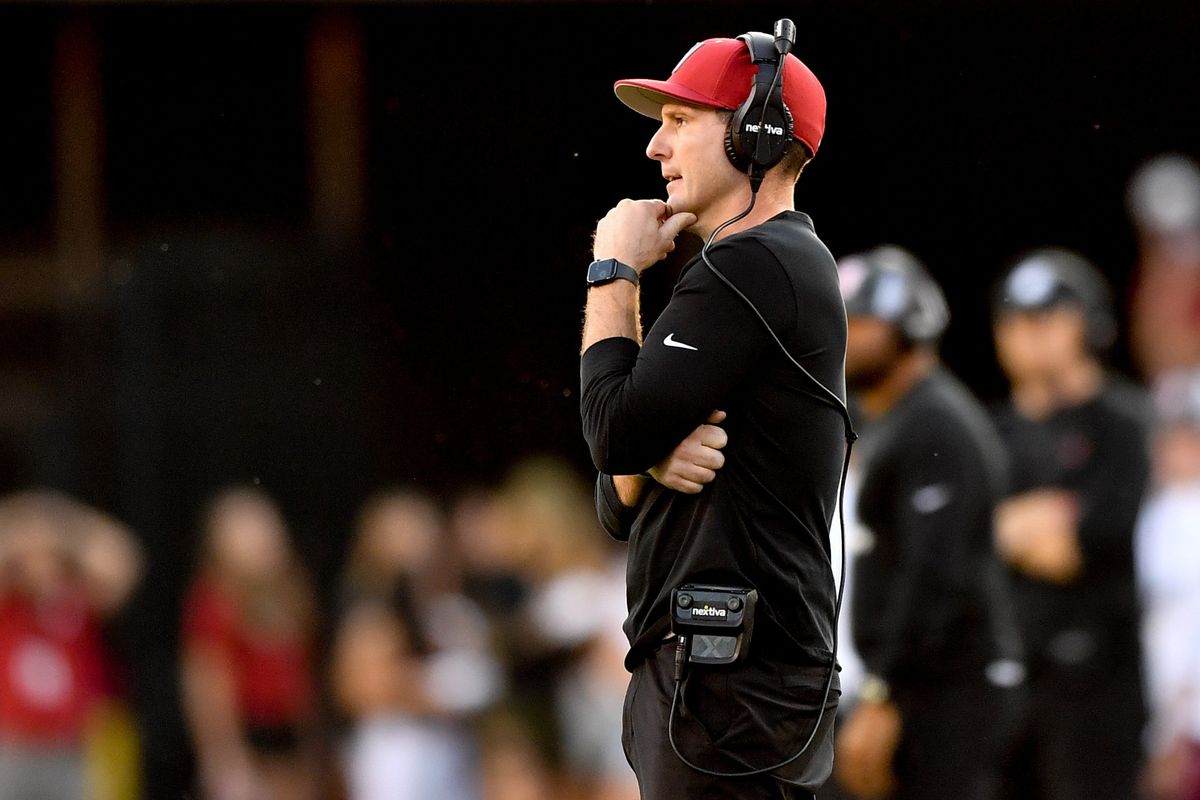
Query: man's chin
point(677, 201)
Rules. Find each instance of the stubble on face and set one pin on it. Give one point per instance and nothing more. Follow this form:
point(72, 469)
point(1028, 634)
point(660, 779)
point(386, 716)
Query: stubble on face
point(690, 147)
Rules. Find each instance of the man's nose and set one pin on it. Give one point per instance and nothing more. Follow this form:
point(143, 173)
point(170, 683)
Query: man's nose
point(657, 149)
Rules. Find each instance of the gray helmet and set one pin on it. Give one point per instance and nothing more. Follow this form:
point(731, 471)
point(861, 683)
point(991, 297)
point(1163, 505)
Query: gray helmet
point(891, 284)
point(1053, 276)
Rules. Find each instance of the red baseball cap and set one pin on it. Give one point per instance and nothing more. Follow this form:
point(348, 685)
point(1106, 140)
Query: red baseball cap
point(717, 73)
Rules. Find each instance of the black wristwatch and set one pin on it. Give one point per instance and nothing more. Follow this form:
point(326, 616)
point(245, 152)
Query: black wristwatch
point(608, 270)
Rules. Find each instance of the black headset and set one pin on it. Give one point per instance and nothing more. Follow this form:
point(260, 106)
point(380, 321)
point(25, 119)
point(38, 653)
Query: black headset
point(760, 131)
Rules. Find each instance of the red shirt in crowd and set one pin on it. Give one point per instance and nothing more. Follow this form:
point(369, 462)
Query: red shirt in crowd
point(271, 672)
point(52, 668)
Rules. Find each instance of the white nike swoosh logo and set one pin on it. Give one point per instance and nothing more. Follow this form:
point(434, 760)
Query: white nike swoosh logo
point(670, 342)
point(932, 498)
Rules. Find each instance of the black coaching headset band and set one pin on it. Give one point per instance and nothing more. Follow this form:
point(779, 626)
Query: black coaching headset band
point(761, 128)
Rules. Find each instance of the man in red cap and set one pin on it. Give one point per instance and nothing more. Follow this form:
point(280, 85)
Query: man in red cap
point(755, 328)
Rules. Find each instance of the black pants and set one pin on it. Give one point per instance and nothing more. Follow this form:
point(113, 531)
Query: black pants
point(955, 738)
point(728, 719)
point(1080, 735)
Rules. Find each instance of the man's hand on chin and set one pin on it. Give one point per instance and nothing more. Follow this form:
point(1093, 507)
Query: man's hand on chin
point(639, 233)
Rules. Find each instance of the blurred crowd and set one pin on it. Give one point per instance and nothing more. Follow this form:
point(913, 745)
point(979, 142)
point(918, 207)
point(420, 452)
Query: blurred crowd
point(473, 648)
point(1164, 200)
point(470, 651)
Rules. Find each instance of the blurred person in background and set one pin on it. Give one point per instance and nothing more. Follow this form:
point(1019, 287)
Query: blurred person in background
point(1164, 204)
point(857, 541)
point(398, 538)
point(932, 616)
point(247, 681)
point(588, 704)
point(1168, 562)
point(1077, 437)
point(64, 569)
point(571, 624)
point(514, 764)
point(493, 557)
point(411, 662)
point(534, 562)
point(574, 614)
point(1163, 199)
point(518, 751)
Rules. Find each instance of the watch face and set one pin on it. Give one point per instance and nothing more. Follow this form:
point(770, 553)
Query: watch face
point(604, 270)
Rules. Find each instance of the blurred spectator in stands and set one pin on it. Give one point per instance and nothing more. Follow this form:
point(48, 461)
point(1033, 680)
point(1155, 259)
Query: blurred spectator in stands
point(514, 765)
point(398, 538)
point(1077, 437)
point(411, 662)
point(247, 683)
point(1164, 204)
point(494, 555)
point(64, 567)
point(568, 631)
point(590, 695)
point(1168, 550)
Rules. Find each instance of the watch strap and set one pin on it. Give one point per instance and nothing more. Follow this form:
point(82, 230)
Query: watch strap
point(607, 270)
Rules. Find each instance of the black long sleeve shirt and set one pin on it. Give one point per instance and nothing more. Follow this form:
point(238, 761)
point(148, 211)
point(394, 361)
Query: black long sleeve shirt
point(929, 595)
point(1097, 451)
point(764, 521)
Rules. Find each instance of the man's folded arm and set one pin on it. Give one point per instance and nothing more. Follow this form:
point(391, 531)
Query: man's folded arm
point(639, 403)
point(1112, 497)
point(614, 516)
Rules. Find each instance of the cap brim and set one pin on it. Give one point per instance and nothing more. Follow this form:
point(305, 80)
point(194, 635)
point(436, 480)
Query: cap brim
point(647, 97)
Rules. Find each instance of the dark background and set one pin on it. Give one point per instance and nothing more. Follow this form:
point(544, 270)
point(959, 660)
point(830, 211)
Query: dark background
point(230, 343)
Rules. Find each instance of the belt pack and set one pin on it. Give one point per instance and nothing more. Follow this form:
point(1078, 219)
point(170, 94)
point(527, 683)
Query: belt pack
point(718, 621)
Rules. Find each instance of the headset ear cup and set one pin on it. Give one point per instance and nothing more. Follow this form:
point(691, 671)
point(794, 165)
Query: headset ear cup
point(763, 107)
point(785, 143)
point(731, 149)
point(741, 145)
